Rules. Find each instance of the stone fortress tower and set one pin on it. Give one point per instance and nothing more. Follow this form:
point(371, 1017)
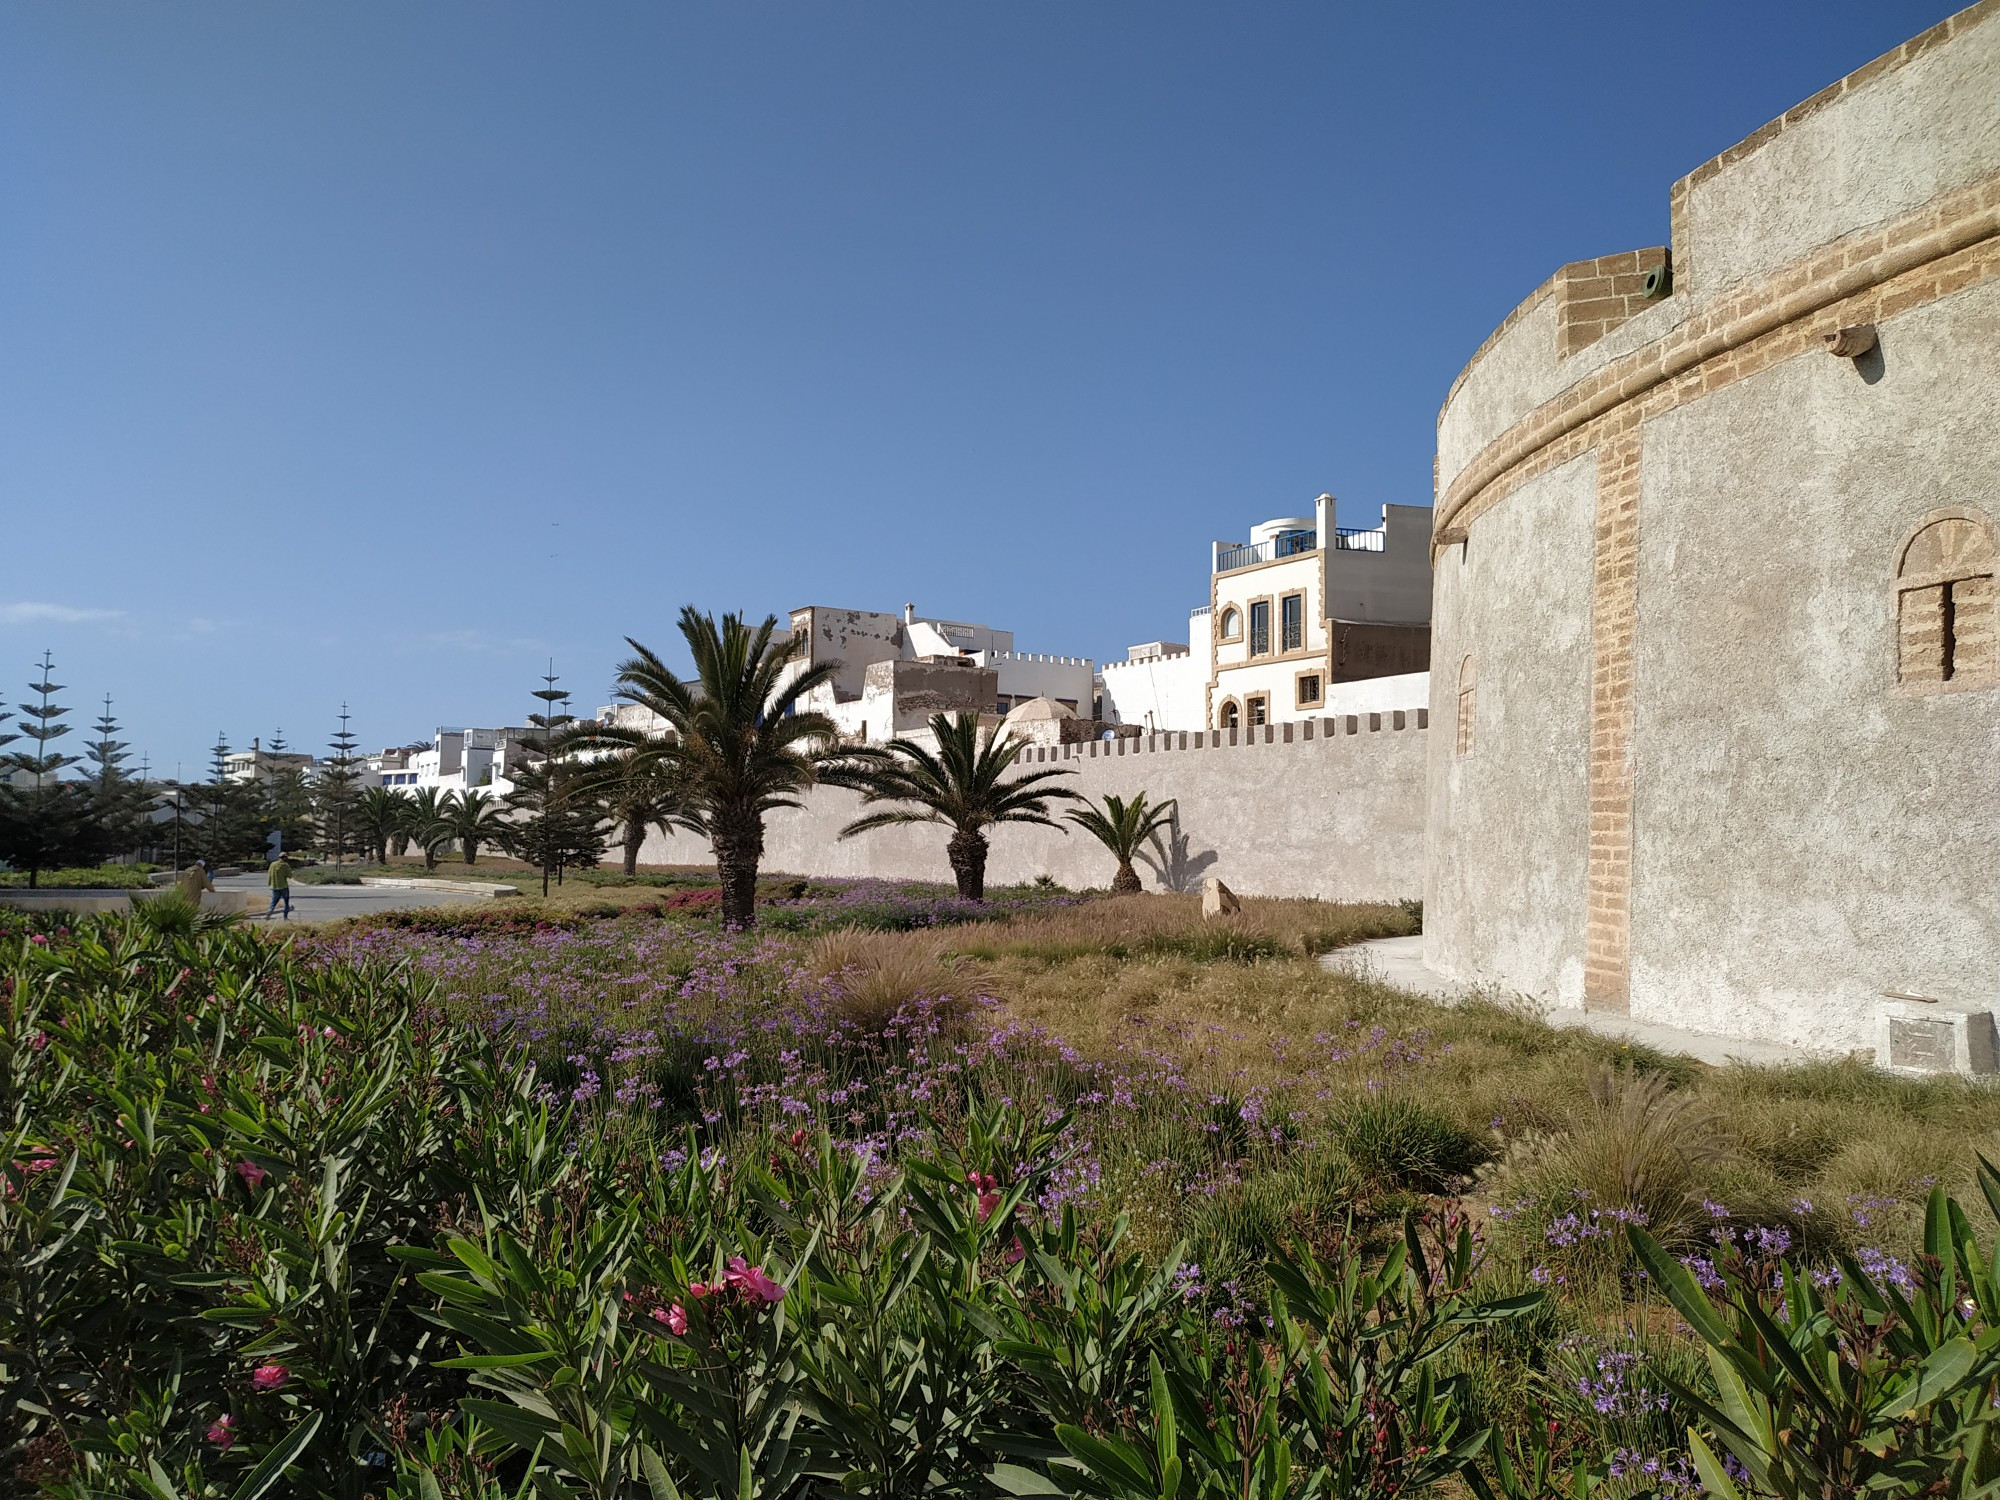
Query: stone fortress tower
point(1715, 691)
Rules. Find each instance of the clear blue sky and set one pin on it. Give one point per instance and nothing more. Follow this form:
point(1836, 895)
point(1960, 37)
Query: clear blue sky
point(379, 351)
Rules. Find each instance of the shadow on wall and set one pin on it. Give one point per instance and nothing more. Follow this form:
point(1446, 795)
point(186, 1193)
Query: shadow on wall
point(1172, 859)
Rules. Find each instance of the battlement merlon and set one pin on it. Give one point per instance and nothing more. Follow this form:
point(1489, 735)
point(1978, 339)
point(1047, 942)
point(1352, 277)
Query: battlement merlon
point(1761, 235)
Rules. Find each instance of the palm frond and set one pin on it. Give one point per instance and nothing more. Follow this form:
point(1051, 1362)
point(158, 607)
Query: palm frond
point(959, 784)
point(1121, 826)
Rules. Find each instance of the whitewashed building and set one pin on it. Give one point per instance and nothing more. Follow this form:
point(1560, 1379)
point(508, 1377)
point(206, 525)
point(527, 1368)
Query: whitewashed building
point(1299, 614)
point(892, 672)
point(455, 760)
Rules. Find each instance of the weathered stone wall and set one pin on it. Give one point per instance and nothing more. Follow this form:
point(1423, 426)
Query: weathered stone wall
point(1826, 835)
point(1510, 816)
point(1332, 809)
point(1753, 818)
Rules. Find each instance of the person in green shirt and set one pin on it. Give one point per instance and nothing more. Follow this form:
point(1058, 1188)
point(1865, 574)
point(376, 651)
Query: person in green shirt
point(281, 886)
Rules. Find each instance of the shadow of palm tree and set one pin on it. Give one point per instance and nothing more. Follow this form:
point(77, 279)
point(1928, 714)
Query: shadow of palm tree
point(1173, 860)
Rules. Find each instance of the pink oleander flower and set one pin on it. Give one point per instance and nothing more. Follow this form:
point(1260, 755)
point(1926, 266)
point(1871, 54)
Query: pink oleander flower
point(33, 1164)
point(699, 1289)
point(675, 1318)
point(222, 1432)
point(1016, 1253)
point(253, 1175)
point(752, 1281)
point(39, 940)
point(988, 1190)
point(269, 1377)
point(41, 1040)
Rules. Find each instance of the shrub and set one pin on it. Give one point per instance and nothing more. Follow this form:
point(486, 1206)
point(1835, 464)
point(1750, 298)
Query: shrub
point(467, 921)
point(1394, 1141)
point(326, 875)
point(891, 906)
point(703, 900)
point(89, 878)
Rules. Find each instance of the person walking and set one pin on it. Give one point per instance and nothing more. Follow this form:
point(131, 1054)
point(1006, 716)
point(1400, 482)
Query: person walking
point(194, 880)
point(281, 887)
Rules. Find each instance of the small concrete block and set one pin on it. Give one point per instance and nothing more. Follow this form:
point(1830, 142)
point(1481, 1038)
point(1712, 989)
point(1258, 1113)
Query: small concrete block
point(1917, 1036)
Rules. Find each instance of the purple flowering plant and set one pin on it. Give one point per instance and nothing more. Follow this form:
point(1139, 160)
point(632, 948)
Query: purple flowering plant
point(1866, 1376)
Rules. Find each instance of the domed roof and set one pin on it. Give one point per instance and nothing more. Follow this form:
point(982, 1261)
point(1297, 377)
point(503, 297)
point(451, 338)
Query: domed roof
point(1037, 711)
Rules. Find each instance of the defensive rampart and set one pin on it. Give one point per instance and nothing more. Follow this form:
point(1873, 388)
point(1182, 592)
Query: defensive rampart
point(1714, 628)
point(1332, 808)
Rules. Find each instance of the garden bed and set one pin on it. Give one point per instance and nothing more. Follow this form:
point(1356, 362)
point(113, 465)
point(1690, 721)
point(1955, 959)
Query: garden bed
point(296, 1182)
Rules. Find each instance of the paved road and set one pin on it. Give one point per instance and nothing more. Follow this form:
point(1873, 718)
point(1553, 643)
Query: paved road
point(329, 903)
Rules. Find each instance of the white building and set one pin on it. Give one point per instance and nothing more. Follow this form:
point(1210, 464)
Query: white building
point(456, 760)
point(1298, 614)
point(892, 672)
point(262, 766)
point(1162, 684)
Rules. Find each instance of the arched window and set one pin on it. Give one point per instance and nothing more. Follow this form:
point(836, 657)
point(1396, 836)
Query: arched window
point(1467, 684)
point(1944, 602)
point(1230, 715)
point(1232, 625)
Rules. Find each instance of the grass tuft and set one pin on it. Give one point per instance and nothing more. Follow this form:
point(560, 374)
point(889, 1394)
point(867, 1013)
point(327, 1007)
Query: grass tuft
point(1396, 1142)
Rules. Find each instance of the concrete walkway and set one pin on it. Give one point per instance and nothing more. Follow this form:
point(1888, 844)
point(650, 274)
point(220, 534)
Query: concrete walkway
point(329, 903)
point(1399, 962)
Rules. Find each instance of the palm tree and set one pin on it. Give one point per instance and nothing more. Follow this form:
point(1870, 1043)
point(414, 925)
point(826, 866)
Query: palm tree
point(959, 786)
point(474, 818)
point(740, 745)
point(429, 825)
point(1123, 828)
point(640, 793)
point(381, 815)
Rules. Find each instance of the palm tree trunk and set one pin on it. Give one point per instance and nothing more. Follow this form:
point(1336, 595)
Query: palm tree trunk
point(1126, 881)
point(738, 841)
point(635, 838)
point(400, 845)
point(430, 856)
point(967, 853)
point(470, 848)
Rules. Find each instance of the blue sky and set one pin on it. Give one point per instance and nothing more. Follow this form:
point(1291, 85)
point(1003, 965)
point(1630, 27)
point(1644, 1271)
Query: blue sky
point(378, 352)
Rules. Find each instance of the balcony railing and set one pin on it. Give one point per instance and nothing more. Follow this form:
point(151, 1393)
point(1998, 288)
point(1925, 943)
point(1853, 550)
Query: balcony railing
point(1293, 543)
point(1284, 544)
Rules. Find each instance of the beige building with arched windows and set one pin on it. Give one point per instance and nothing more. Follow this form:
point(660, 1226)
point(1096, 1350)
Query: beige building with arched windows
point(1304, 605)
point(1714, 610)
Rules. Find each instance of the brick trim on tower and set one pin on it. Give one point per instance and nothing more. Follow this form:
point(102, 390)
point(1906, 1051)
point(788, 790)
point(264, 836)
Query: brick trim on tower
point(1614, 616)
point(1945, 247)
point(1950, 244)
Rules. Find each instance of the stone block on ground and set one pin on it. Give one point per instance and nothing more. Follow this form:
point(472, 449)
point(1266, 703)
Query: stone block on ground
point(1218, 900)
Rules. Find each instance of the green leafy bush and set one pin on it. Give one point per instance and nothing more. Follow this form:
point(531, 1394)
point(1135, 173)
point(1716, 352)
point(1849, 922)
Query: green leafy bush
point(88, 878)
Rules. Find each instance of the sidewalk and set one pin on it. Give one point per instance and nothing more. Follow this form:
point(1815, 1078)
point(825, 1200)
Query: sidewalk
point(1400, 962)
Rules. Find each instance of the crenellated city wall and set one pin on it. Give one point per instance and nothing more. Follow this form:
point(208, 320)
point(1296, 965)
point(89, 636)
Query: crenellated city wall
point(1331, 808)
